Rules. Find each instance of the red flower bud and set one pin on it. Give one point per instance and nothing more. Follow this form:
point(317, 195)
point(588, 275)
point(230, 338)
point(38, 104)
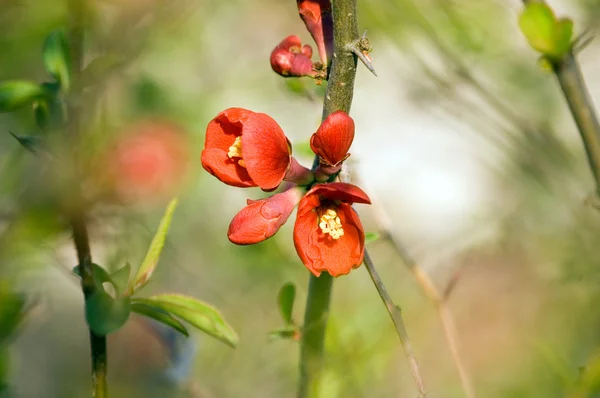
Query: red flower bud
point(333, 138)
point(246, 149)
point(328, 234)
point(262, 218)
point(291, 58)
point(316, 15)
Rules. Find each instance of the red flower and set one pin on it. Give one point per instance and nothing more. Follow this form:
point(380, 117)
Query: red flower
point(328, 234)
point(148, 160)
point(291, 58)
point(246, 149)
point(333, 139)
point(316, 15)
point(261, 219)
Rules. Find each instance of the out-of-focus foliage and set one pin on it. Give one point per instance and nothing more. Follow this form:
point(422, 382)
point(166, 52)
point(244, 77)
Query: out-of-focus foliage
point(466, 144)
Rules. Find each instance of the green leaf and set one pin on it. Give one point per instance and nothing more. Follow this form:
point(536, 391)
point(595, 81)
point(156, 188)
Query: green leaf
point(145, 271)
point(17, 93)
point(105, 314)
point(100, 275)
point(371, 237)
point(158, 315)
point(537, 24)
point(121, 278)
point(563, 33)
point(285, 299)
point(196, 313)
point(288, 333)
point(57, 59)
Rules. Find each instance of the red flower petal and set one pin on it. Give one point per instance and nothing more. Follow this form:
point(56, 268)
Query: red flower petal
point(291, 58)
point(318, 251)
point(340, 191)
point(261, 219)
point(333, 138)
point(316, 15)
point(221, 133)
point(266, 151)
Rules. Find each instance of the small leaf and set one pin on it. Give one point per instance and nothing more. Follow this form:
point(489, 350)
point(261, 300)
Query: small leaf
point(17, 93)
point(563, 33)
point(196, 313)
point(105, 314)
point(159, 315)
point(371, 237)
point(121, 278)
point(57, 58)
point(100, 276)
point(288, 333)
point(149, 264)
point(537, 24)
point(285, 299)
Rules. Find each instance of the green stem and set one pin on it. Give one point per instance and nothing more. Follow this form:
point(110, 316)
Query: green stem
point(582, 108)
point(76, 212)
point(340, 88)
point(313, 334)
point(573, 86)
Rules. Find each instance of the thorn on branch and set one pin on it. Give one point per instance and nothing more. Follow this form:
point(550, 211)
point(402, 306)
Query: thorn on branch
point(361, 48)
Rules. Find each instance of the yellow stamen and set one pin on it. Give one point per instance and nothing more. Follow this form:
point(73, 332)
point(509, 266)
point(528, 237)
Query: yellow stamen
point(235, 151)
point(330, 222)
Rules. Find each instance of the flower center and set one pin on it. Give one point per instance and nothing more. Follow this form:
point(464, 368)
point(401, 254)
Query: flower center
point(235, 151)
point(329, 222)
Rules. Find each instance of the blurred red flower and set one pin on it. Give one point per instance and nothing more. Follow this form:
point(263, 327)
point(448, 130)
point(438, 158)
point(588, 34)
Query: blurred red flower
point(150, 158)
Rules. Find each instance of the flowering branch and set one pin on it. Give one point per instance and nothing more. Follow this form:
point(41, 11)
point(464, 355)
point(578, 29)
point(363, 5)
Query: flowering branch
point(348, 46)
point(76, 213)
point(340, 89)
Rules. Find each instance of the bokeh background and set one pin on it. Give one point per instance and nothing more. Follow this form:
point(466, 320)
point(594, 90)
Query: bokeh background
point(464, 143)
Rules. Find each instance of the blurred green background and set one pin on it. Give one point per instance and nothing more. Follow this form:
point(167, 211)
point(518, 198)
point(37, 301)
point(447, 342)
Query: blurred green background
point(464, 143)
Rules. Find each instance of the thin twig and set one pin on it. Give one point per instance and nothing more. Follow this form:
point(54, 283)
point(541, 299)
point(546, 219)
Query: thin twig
point(396, 315)
point(430, 290)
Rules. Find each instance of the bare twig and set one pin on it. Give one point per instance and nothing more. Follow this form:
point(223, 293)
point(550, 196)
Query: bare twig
point(396, 315)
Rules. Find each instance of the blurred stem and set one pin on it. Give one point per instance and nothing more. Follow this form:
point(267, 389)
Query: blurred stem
point(75, 209)
point(573, 86)
point(340, 89)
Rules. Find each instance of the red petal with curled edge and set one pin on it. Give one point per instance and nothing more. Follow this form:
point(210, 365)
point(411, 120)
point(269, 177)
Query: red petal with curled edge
point(333, 138)
point(321, 253)
point(266, 151)
point(340, 191)
point(261, 219)
point(221, 133)
point(316, 15)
